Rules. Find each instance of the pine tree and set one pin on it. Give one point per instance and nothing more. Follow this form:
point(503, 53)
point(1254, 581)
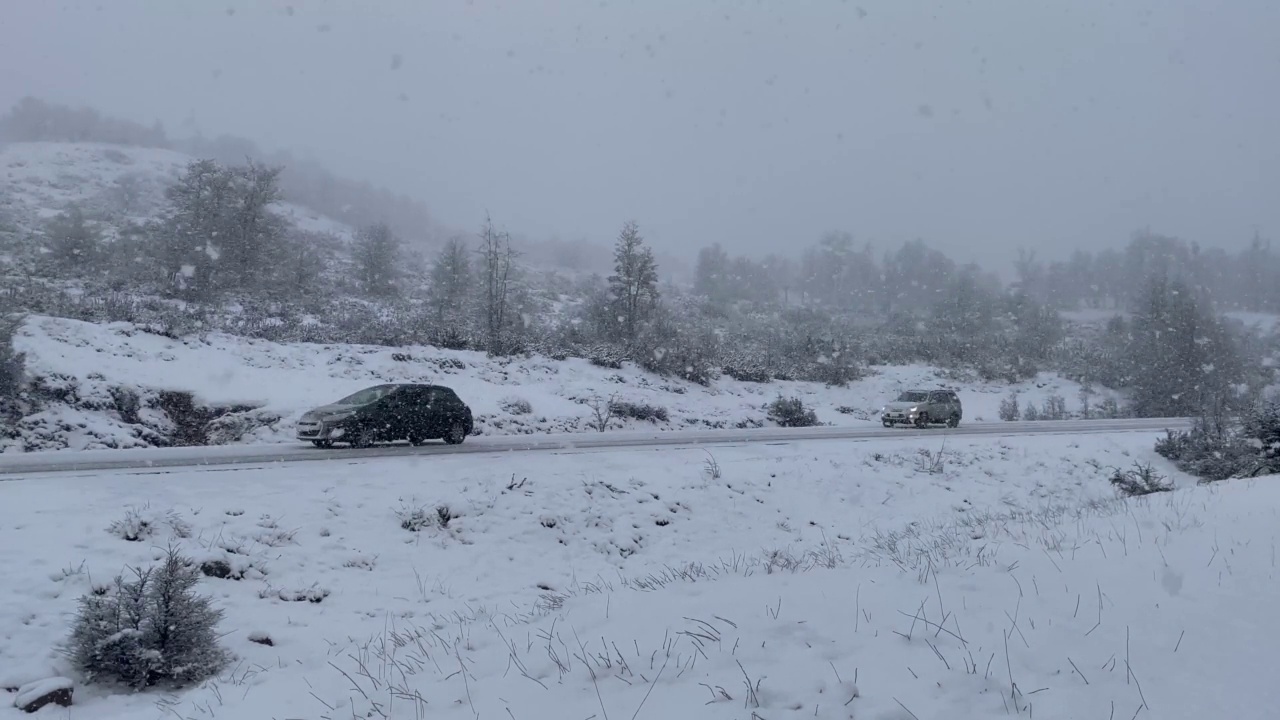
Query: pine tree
point(151, 629)
point(250, 234)
point(1182, 360)
point(12, 365)
point(711, 274)
point(634, 283)
point(449, 291)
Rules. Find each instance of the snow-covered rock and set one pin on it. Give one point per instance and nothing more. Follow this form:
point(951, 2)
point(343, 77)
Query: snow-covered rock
point(50, 691)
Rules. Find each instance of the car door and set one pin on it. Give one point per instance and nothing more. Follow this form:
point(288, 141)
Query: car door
point(451, 408)
point(394, 414)
point(416, 412)
point(937, 406)
point(953, 403)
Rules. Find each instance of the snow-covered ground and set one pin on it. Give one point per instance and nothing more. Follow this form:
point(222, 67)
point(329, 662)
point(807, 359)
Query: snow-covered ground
point(795, 580)
point(89, 371)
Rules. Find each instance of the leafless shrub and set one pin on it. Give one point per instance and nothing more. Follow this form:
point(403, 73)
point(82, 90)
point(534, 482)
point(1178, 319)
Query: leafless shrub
point(138, 524)
point(931, 463)
point(710, 467)
point(276, 537)
point(414, 519)
point(419, 518)
point(602, 413)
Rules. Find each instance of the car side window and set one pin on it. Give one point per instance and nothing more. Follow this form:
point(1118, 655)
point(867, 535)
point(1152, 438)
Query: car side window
point(935, 397)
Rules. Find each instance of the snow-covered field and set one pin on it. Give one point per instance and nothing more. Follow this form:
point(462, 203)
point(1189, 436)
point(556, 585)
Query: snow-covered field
point(89, 371)
point(794, 580)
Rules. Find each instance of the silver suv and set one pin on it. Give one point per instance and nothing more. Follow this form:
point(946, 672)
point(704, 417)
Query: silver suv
point(923, 408)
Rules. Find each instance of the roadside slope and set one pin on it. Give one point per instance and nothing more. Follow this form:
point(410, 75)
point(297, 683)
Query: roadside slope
point(118, 386)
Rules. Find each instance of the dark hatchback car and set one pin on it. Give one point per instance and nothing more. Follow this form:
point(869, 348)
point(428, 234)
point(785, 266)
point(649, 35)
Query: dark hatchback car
point(386, 413)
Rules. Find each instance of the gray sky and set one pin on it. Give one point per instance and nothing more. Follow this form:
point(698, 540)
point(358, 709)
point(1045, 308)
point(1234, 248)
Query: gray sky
point(978, 126)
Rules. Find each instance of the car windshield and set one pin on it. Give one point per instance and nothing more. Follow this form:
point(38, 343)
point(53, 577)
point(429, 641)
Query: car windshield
point(913, 396)
point(366, 396)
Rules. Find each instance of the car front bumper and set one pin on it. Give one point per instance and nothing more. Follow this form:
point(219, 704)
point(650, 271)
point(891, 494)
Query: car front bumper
point(319, 431)
point(899, 418)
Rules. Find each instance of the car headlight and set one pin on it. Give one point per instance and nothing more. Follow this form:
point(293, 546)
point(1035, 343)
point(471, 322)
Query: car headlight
point(335, 417)
point(915, 409)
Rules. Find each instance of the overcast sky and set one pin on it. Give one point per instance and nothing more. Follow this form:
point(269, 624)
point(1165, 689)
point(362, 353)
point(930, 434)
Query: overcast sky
point(978, 126)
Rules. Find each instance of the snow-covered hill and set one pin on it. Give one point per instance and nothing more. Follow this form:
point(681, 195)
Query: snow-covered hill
point(116, 385)
point(40, 179)
point(120, 385)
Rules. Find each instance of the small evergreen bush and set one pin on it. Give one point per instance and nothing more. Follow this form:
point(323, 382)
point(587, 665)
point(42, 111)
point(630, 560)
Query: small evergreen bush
point(148, 630)
point(1141, 480)
point(791, 412)
point(638, 411)
point(1009, 409)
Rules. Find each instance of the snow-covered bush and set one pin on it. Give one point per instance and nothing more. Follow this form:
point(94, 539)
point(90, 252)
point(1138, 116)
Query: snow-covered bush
point(1141, 480)
point(12, 363)
point(148, 630)
point(791, 412)
point(1055, 408)
point(1215, 450)
point(638, 411)
point(516, 405)
point(139, 524)
point(1009, 409)
point(1262, 428)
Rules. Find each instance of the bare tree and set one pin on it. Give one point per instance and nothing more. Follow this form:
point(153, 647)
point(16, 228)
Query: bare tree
point(376, 254)
point(497, 264)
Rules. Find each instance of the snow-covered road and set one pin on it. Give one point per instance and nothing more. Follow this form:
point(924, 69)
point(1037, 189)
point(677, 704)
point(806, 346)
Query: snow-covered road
point(13, 466)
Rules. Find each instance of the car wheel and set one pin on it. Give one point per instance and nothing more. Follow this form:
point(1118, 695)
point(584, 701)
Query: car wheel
point(363, 439)
point(888, 424)
point(457, 433)
point(953, 421)
point(922, 420)
point(322, 443)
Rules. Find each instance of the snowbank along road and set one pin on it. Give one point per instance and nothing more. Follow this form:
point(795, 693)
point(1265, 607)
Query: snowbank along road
point(64, 461)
